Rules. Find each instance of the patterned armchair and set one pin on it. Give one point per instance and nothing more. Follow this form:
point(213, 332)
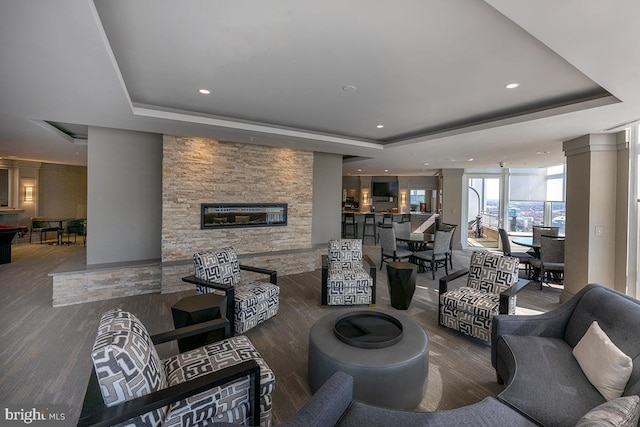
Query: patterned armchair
point(249, 302)
point(344, 278)
point(491, 289)
point(226, 381)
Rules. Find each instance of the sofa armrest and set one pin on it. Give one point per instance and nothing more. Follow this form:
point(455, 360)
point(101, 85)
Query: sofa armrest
point(550, 324)
point(96, 413)
point(327, 405)
point(273, 274)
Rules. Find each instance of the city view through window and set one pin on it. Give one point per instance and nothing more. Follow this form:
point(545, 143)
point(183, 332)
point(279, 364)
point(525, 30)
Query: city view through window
point(536, 197)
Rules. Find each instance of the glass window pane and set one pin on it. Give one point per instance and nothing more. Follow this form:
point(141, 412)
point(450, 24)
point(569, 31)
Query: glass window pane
point(522, 215)
point(558, 215)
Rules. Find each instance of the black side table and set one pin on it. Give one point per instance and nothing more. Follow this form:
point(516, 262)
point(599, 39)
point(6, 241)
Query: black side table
point(402, 283)
point(197, 309)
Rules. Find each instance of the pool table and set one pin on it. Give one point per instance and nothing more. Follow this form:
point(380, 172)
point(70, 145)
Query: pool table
point(7, 232)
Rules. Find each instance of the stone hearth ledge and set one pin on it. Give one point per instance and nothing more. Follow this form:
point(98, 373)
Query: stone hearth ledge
point(75, 282)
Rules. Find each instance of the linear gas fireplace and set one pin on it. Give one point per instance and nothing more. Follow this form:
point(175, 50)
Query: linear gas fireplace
point(223, 215)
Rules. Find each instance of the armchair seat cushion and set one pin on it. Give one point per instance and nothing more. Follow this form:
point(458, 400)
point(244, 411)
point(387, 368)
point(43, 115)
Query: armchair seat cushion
point(215, 403)
point(250, 294)
point(563, 397)
point(472, 301)
point(349, 287)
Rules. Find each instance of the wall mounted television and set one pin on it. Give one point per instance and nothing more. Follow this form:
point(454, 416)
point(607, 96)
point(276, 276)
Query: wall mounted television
point(385, 189)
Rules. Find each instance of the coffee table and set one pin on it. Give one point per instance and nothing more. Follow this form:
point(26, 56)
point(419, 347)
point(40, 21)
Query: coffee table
point(390, 369)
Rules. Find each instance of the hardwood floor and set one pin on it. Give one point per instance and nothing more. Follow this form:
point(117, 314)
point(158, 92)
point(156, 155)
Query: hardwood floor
point(45, 351)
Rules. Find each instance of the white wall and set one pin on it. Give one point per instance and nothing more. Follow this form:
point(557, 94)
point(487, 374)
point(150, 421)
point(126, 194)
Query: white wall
point(327, 197)
point(124, 212)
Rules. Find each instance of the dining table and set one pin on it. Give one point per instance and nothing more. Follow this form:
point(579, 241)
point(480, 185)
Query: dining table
point(527, 241)
point(415, 241)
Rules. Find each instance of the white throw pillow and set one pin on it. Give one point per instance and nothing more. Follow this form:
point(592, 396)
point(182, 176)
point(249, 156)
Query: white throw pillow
point(604, 364)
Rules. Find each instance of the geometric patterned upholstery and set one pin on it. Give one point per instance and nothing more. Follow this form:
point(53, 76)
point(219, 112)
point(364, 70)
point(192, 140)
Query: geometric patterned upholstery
point(229, 403)
point(254, 301)
point(470, 309)
point(127, 366)
point(348, 283)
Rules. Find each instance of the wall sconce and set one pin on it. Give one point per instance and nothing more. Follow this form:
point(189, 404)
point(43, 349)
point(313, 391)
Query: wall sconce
point(403, 198)
point(28, 193)
point(365, 197)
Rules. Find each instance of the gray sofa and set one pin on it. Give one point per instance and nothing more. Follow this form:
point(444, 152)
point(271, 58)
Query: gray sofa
point(533, 354)
point(333, 405)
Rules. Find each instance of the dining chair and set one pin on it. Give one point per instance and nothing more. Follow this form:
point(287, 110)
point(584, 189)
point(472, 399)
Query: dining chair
point(551, 258)
point(41, 224)
point(523, 257)
point(389, 247)
point(75, 227)
point(402, 228)
point(453, 227)
point(539, 230)
point(438, 255)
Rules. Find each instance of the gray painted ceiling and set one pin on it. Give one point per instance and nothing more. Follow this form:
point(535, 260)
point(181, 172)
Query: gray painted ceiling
point(322, 76)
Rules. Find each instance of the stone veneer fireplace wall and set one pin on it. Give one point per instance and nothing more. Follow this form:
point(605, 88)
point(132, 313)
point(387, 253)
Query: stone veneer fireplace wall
point(195, 171)
point(200, 170)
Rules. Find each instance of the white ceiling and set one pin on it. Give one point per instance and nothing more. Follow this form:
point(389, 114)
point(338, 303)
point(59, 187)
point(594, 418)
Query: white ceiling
point(432, 72)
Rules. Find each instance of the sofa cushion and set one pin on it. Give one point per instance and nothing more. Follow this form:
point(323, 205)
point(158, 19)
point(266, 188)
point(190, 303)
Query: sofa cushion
point(487, 413)
point(216, 401)
point(620, 412)
point(127, 364)
point(547, 383)
point(604, 364)
point(220, 266)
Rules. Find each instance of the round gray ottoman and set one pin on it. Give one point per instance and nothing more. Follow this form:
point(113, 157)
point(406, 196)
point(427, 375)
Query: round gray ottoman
point(394, 376)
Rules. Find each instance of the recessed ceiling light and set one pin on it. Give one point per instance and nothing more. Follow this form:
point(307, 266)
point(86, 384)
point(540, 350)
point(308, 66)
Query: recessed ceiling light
point(512, 85)
point(349, 88)
point(386, 170)
point(204, 91)
point(470, 160)
point(380, 126)
point(359, 170)
point(427, 164)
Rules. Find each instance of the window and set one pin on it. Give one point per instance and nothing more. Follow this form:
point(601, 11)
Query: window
point(536, 197)
point(417, 196)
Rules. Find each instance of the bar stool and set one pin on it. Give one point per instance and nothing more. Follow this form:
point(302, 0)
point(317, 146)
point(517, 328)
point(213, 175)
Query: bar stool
point(369, 221)
point(387, 218)
point(349, 220)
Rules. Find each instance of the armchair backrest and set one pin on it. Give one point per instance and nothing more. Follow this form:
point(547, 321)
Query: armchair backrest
point(220, 266)
point(126, 363)
point(492, 273)
point(345, 254)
